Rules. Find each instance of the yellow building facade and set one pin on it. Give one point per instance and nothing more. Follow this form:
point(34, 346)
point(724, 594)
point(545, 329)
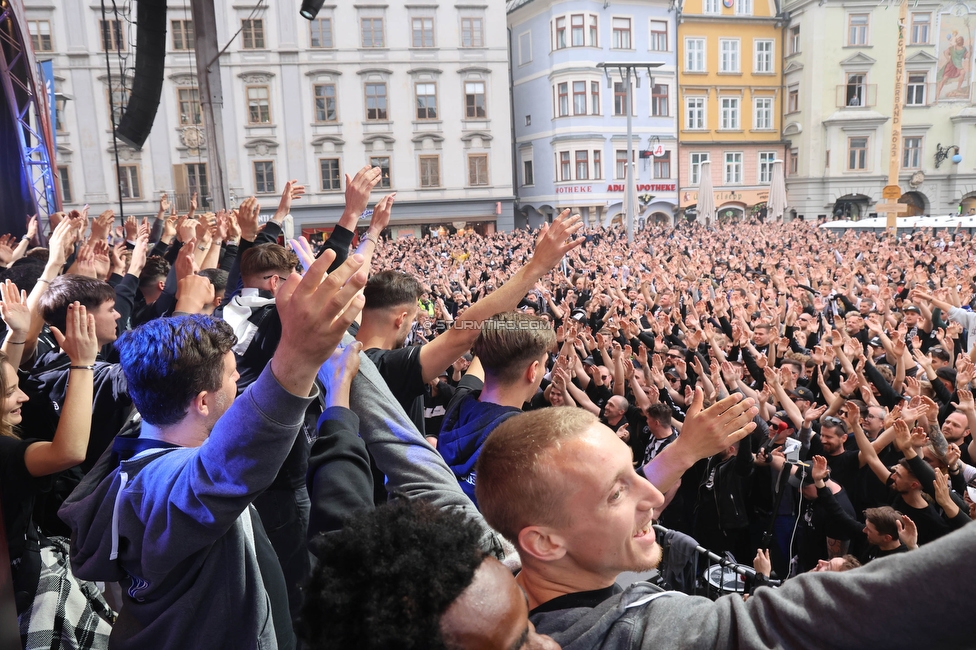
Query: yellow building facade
point(730, 101)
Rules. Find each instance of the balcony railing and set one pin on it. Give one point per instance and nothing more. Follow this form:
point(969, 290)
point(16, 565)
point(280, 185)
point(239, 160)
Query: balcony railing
point(857, 95)
point(183, 202)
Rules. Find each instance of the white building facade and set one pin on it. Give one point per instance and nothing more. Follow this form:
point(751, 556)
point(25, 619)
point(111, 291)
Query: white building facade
point(570, 121)
point(420, 90)
point(839, 78)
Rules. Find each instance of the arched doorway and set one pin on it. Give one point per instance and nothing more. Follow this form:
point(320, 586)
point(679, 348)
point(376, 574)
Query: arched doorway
point(730, 212)
point(968, 203)
point(659, 219)
point(851, 207)
point(916, 202)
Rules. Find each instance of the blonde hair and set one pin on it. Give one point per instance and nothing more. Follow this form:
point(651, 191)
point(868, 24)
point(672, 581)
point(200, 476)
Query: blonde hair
point(6, 429)
point(517, 485)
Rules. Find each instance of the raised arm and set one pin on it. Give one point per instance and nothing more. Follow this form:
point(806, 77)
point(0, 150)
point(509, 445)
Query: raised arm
point(554, 241)
point(70, 443)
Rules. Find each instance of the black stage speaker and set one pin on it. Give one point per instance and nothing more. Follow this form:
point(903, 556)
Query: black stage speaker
point(137, 121)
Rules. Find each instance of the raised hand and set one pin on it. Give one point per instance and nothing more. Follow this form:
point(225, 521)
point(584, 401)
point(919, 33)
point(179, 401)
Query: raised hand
point(712, 430)
point(338, 372)
point(819, 472)
point(554, 241)
point(907, 532)
point(131, 228)
point(78, 340)
point(965, 402)
point(14, 310)
point(292, 192)
point(315, 312)
point(102, 225)
point(358, 189)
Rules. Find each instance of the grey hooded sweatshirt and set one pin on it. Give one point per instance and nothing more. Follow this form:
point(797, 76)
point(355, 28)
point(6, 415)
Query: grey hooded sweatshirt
point(920, 599)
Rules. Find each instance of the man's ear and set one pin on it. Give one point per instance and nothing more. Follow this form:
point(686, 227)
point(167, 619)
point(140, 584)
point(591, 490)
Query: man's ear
point(532, 372)
point(161, 285)
point(541, 543)
point(199, 405)
point(398, 323)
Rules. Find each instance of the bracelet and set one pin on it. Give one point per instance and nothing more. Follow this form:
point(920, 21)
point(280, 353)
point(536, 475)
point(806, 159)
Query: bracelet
point(43, 280)
point(91, 367)
point(16, 342)
point(371, 237)
point(203, 248)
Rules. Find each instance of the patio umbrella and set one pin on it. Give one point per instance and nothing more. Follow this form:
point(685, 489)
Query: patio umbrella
point(776, 205)
point(706, 198)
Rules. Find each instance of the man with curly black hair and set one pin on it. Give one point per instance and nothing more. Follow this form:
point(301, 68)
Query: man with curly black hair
point(409, 575)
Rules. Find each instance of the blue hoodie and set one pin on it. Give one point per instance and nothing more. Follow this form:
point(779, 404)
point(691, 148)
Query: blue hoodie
point(466, 426)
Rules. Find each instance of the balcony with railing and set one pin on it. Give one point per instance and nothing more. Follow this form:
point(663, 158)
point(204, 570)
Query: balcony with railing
point(182, 201)
point(857, 95)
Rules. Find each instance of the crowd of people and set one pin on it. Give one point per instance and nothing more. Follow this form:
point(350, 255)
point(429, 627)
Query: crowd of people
point(212, 437)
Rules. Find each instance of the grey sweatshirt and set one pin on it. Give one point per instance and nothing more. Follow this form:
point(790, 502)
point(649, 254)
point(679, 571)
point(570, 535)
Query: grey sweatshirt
point(920, 599)
point(184, 531)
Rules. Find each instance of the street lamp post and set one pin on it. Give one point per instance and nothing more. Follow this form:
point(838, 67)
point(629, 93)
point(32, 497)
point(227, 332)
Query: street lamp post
point(625, 70)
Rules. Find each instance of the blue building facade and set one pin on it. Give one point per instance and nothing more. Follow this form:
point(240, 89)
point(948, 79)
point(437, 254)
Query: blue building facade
point(570, 118)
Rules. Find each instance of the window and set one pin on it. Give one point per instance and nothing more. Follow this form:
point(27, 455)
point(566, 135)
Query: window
point(733, 168)
point(694, 55)
point(659, 100)
point(329, 171)
point(916, 90)
point(579, 98)
point(40, 35)
point(528, 175)
point(196, 180)
point(562, 99)
point(371, 30)
point(565, 167)
point(696, 163)
point(383, 162)
point(795, 39)
point(621, 167)
point(60, 106)
point(857, 158)
point(763, 113)
point(712, 7)
point(129, 182)
point(920, 28)
point(112, 35)
point(65, 176)
point(793, 99)
point(426, 101)
point(430, 171)
point(743, 7)
point(474, 99)
point(183, 38)
point(620, 98)
point(478, 169)
point(659, 36)
point(472, 32)
point(794, 161)
point(763, 59)
point(423, 32)
point(730, 113)
point(856, 88)
point(694, 113)
point(118, 99)
point(597, 165)
point(857, 29)
point(525, 48)
point(189, 103)
point(264, 180)
point(594, 98)
point(376, 102)
point(582, 165)
point(766, 159)
point(258, 105)
point(560, 33)
point(252, 32)
point(578, 28)
point(528, 120)
point(621, 34)
point(594, 31)
point(728, 55)
point(325, 103)
point(911, 157)
point(662, 166)
point(321, 33)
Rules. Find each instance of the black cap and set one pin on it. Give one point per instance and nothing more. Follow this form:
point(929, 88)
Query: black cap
point(947, 373)
point(912, 308)
point(802, 392)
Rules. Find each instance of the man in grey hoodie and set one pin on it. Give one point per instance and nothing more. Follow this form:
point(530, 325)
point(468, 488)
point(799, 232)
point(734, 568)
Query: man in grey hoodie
point(173, 521)
point(563, 489)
